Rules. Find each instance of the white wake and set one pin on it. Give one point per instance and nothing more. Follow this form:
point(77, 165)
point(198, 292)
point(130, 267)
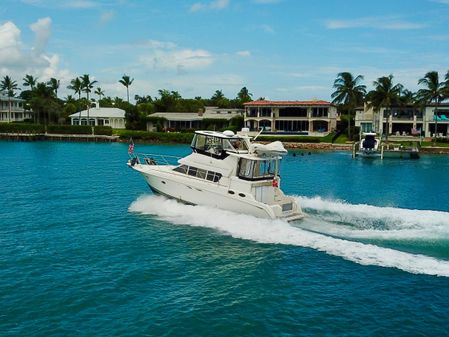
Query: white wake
point(278, 232)
point(373, 222)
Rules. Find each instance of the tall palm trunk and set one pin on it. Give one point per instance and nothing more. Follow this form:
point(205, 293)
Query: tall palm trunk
point(349, 125)
point(88, 107)
point(9, 110)
point(388, 123)
point(435, 117)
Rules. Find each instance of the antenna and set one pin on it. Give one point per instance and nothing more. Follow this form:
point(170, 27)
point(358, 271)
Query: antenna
point(261, 130)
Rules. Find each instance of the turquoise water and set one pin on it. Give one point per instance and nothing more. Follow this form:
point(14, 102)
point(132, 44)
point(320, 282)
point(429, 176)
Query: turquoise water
point(87, 250)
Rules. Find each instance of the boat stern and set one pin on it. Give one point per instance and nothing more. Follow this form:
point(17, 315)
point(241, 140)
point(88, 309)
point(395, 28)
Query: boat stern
point(287, 209)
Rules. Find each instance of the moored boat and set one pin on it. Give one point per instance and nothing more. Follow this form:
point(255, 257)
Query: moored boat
point(368, 147)
point(225, 171)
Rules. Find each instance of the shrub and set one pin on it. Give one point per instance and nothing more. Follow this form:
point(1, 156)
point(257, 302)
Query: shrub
point(156, 137)
point(21, 128)
point(292, 139)
point(70, 129)
point(103, 130)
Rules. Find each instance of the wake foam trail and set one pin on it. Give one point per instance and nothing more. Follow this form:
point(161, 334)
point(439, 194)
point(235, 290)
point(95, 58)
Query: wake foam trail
point(278, 232)
point(373, 222)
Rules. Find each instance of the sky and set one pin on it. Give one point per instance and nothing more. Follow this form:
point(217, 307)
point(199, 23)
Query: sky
point(278, 49)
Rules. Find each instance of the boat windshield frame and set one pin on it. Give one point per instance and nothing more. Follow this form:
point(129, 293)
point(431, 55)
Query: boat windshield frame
point(216, 145)
point(256, 168)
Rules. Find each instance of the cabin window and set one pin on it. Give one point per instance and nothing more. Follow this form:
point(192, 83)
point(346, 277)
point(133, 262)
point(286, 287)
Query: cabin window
point(192, 171)
point(257, 169)
point(181, 169)
point(213, 176)
point(201, 173)
point(198, 173)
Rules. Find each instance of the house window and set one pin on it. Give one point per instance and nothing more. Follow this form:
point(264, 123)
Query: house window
point(293, 112)
point(265, 112)
point(319, 112)
point(366, 127)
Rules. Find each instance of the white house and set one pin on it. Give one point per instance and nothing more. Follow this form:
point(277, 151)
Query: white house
point(18, 112)
point(113, 117)
point(192, 120)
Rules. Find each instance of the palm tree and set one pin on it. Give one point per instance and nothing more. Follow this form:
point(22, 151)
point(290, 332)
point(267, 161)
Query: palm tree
point(53, 83)
point(244, 95)
point(99, 92)
point(385, 94)
point(408, 97)
point(70, 99)
point(77, 86)
point(29, 81)
point(126, 81)
point(87, 86)
point(9, 86)
point(349, 93)
point(434, 92)
point(43, 102)
point(218, 95)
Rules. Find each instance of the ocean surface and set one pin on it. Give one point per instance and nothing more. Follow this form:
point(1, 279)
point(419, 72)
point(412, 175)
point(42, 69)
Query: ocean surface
point(87, 250)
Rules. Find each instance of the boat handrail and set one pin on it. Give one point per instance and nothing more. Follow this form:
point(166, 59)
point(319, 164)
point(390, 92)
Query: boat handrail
point(155, 158)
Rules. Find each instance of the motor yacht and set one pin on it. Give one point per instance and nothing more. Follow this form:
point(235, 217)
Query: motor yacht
point(226, 171)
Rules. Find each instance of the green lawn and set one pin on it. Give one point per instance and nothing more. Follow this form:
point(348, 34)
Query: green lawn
point(438, 144)
point(342, 139)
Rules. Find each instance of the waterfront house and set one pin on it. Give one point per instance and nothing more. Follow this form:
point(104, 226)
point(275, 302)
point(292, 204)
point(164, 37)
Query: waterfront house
point(18, 111)
point(408, 120)
point(99, 116)
point(314, 117)
point(191, 120)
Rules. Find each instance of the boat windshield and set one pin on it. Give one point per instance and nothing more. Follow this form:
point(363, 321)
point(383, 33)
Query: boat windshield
point(208, 144)
point(235, 144)
point(257, 169)
point(216, 146)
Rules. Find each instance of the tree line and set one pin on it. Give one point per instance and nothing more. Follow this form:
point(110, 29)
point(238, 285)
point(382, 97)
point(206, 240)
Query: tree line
point(349, 93)
point(42, 98)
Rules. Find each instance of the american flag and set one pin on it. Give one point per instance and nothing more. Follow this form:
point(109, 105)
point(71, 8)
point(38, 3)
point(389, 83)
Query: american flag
point(131, 147)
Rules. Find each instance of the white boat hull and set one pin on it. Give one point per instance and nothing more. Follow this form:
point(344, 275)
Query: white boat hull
point(202, 192)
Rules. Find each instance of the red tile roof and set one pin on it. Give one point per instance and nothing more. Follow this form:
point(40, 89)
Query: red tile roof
point(287, 103)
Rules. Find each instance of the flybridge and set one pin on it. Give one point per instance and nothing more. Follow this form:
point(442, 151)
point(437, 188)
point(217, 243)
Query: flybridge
point(217, 144)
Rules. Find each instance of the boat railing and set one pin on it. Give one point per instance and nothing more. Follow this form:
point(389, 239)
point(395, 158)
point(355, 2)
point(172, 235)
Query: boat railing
point(154, 159)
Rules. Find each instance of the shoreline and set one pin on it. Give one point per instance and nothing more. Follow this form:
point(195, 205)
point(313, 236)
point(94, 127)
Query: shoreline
point(24, 137)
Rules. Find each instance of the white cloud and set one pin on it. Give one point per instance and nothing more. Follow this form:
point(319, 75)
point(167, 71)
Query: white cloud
point(69, 4)
point(390, 23)
point(42, 30)
point(265, 28)
point(244, 53)
point(18, 60)
point(266, 2)
point(180, 60)
point(212, 5)
point(155, 44)
point(106, 17)
point(10, 44)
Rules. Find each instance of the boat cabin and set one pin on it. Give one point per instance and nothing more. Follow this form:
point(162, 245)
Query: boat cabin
point(217, 144)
